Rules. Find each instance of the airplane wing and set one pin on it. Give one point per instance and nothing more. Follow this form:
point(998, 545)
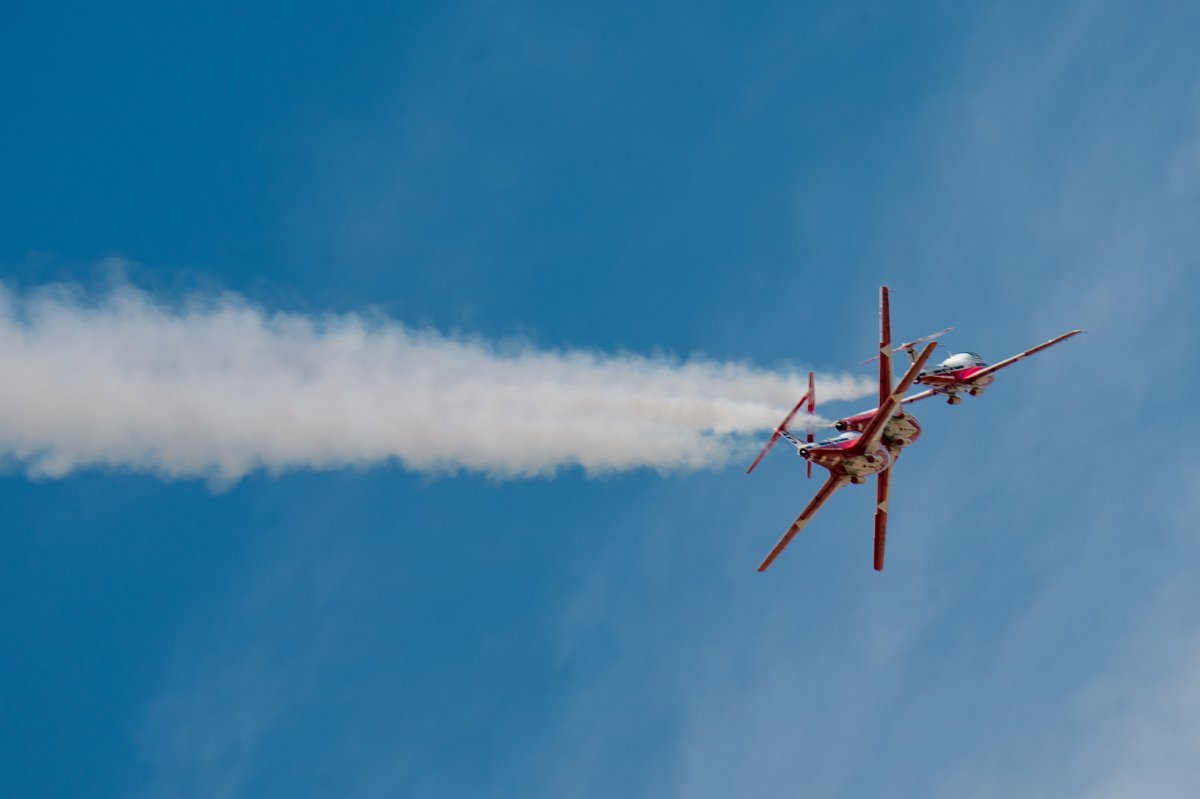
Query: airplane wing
point(918, 397)
point(939, 380)
point(881, 515)
point(885, 346)
point(874, 429)
point(987, 370)
point(779, 431)
point(831, 485)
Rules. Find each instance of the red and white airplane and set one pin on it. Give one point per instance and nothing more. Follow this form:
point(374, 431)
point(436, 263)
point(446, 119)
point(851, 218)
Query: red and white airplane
point(965, 372)
point(869, 444)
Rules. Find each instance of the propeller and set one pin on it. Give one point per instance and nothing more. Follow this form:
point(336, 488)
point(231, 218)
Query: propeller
point(908, 345)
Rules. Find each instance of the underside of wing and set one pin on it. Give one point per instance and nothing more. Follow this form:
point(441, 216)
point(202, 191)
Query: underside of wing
point(831, 485)
point(919, 396)
point(881, 515)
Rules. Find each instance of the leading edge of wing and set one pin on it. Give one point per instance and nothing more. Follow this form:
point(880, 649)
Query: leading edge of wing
point(987, 370)
point(823, 494)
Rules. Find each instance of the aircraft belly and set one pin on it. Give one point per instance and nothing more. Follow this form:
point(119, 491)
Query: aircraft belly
point(902, 430)
point(855, 465)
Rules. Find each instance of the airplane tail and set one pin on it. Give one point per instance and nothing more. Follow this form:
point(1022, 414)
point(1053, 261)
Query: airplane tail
point(812, 412)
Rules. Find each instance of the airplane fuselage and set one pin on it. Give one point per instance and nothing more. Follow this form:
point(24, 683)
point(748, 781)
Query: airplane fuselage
point(955, 374)
point(839, 457)
point(899, 432)
point(958, 381)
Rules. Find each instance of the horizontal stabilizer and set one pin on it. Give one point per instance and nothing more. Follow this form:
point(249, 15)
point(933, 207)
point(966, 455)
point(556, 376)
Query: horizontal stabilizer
point(908, 345)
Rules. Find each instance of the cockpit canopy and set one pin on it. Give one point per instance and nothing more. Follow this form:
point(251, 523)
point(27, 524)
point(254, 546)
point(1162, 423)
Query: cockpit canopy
point(963, 360)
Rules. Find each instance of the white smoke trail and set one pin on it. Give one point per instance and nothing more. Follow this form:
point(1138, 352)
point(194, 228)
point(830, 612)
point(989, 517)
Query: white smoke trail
point(216, 387)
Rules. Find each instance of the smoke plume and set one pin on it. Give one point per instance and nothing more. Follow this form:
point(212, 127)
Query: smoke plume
point(215, 387)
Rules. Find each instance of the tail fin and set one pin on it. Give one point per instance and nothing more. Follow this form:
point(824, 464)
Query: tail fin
point(885, 346)
point(812, 411)
point(911, 346)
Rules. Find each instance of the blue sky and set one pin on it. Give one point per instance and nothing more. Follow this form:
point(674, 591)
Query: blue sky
point(641, 180)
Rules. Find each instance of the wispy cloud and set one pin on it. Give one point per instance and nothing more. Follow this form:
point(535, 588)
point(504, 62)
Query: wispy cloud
point(215, 386)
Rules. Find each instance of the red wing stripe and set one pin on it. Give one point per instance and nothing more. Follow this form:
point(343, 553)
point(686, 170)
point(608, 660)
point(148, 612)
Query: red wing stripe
point(881, 516)
point(831, 485)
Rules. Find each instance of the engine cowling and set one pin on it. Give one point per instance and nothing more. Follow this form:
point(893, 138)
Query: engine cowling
point(855, 423)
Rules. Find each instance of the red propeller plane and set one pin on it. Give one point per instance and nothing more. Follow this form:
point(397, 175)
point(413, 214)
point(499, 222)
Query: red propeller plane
point(869, 444)
point(966, 372)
